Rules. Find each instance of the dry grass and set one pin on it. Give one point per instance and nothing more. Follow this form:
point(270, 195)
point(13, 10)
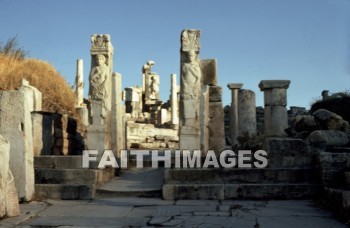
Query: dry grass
point(57, 94)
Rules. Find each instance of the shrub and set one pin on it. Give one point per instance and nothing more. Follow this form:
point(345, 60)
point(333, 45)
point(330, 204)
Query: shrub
point(57, 93)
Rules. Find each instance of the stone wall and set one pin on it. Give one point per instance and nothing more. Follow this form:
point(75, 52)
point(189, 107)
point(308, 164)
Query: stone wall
point(55, 134)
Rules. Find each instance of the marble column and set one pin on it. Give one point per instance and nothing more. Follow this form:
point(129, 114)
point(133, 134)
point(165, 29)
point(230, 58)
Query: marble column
point(79, 86)
point(234, 87)
point(275, 101)
point(246, 112)
point(174, 101)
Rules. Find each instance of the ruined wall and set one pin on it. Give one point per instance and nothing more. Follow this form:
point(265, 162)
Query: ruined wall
point(147, 136)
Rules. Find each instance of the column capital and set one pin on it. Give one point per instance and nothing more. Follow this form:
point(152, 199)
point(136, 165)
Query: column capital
point(235, 85)
point(270, 84)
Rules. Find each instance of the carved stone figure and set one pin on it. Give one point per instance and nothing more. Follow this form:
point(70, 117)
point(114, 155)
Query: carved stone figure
point(154, 88)
point(98, 77)
point(191, 74)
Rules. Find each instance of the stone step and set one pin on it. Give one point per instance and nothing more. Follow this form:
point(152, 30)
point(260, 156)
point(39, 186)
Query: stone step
point(146, 182)
point(64, 191)
point(239, 175)
point(73, 176)
point(240, 191)
point(58, 162)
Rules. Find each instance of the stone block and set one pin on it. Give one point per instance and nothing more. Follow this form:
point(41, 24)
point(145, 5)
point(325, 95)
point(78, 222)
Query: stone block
point(275, 97)
point(275, 121)
point(215, 93)
point(8, 195)
point(33, 95)
point(216, 127)
point(43, 133)
point(16, 127)
point(270, 84)
point(209, 71)
point(287, 153)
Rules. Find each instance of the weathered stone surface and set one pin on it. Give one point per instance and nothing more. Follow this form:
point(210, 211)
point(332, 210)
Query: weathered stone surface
point(327, 120)
point(209, 71)
point(117, 115)
point(83, 113)
point(174, 101)
point(98, 136)
point(234, 87)
point(8, 195)
point(16, 127)
point(204, 118)
point(287, 153)
point(216, 127)
point(79, 84)
point(270, 84)
point(275, 120)
point(328, 138)
point(275, 97)
point(215, 93)
point(33, 95)
point(246, 112)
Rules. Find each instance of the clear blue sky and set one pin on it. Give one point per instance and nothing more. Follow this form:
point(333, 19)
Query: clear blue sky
point(305, 41)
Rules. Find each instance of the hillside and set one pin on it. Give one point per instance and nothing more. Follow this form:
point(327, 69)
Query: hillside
point(56, 92)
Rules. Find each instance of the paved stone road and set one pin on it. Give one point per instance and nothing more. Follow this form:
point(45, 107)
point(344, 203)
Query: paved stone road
point(153, 212)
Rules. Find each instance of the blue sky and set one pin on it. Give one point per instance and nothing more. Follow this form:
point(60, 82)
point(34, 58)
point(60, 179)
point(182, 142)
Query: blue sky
point(305, 41)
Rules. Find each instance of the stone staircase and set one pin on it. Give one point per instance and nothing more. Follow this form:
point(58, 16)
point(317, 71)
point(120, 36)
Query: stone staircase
point(237, 183)
point(290, 174)
point(62, 177)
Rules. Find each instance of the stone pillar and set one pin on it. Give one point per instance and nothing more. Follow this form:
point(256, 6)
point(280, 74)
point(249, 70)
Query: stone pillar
point(190, 80)
point(79, 86)
point(174, 101)
point(234, 87)
point(275, 99)
point(100, 93)
point(16, 127)
point(117, 115)
point(246, 112)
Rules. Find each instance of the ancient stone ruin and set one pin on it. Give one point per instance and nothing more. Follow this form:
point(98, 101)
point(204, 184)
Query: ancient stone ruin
point(307, 153)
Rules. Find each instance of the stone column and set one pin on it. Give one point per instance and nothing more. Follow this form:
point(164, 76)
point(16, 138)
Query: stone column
point(79, 86)
point(174, 101)
point(246, 112)
point(190, 80)
point(117, 136)
point(234, 87)
point(275, 99)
